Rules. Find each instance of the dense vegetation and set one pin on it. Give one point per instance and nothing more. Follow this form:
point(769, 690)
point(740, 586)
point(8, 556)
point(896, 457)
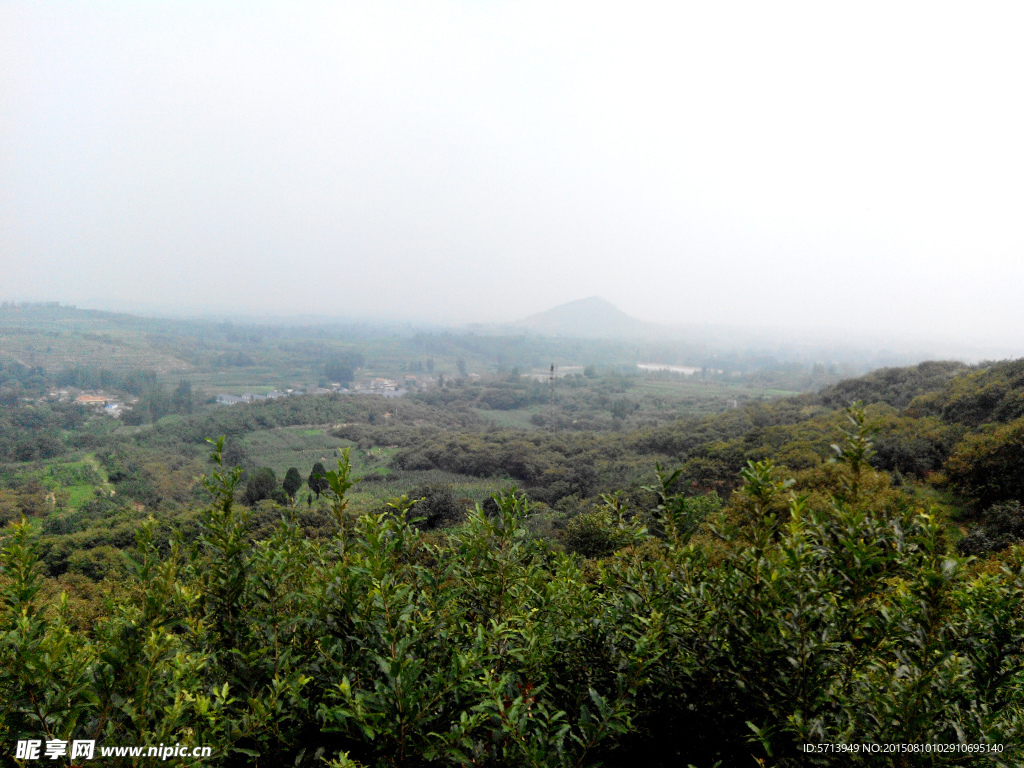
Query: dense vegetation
point(515, 580)
point(950, 433)
point(843, 621)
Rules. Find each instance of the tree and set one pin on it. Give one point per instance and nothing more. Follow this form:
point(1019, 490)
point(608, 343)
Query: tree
point(1001, 525)
point(342, 368)
point(138, 382)
point(988, 467)
point(157, 402)
point(317, 480)
point(133, 417)
point(622, 407)
point(339, 371)
point(261, 486)
point(182, 398)
point(582, 476)
point(461, 365)
point(436, 506)
point(292, 482)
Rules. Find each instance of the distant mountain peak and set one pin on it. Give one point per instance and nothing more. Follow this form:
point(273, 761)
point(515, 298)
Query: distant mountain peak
point(592, 317)
point(594, 305)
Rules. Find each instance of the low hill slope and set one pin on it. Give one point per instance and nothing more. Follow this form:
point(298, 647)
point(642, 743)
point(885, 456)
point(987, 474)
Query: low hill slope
point(591, 318)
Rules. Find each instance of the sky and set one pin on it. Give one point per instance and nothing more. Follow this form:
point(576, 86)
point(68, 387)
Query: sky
point(794, 165)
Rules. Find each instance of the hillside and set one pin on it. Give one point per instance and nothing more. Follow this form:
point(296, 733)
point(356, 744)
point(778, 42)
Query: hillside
point(53, 338)
point(608, 611)
point(640, 555)
point(591, 318)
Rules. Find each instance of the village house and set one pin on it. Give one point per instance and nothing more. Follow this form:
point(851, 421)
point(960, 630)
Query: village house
point(98, 401)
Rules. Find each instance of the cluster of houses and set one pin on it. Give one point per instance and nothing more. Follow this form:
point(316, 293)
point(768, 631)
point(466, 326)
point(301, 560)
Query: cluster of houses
point(380, 386)
point(274, 394)
point(393, 387)
point(98, 400)
point(115, 406)
point(375, 386)
point(249, 397)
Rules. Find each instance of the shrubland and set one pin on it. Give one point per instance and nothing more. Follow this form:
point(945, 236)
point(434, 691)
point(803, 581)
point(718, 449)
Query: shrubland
point(705, 589)
point(719, 635)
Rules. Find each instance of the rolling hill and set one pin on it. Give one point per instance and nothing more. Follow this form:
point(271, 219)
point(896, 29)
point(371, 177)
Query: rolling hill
point(591, 318)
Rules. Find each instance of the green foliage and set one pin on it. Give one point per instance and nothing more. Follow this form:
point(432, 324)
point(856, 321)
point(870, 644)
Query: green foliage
point(436, 506)
point(678, 515)
point(604, 529)
point(913, 446)
point(989, 466)
point(45, 683)
point(822, 605)
point(261, 485)
point(1001, 525)
point(897, 387)
point(339, 482)
point(292, 482)
point(761, 487)
point(989, 393)
point(34, 431)
point(317, 480)
point(388, 646)
point(342, 369)
point(182, 399)
point(623, 407)
point(855, 452)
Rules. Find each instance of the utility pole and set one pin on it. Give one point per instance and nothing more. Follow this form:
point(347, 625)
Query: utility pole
point(551, 389)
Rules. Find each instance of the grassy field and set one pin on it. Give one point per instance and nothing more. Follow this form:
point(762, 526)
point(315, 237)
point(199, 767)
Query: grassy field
point(376, 489)
point(299, 447)
point(515, 419)
point(71, 480)
point(237, 381)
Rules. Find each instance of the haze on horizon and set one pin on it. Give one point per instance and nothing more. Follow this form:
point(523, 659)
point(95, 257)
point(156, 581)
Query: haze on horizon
point(787, 165)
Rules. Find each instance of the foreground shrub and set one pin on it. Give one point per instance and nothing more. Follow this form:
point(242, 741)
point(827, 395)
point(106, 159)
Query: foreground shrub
point(1001, 526)
point(478, 645)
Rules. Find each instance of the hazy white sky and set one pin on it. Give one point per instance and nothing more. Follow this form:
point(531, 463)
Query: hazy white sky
point(815, 164)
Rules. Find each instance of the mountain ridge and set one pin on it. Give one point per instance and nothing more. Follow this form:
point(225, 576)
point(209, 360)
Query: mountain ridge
point(592, 317)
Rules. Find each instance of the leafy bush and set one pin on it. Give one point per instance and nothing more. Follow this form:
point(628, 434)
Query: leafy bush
point(261, 485)
point(384, 646)
point(603, 529)
point(988, 467)
point(436, 506)
point(896, 386)
point(1001, 526)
